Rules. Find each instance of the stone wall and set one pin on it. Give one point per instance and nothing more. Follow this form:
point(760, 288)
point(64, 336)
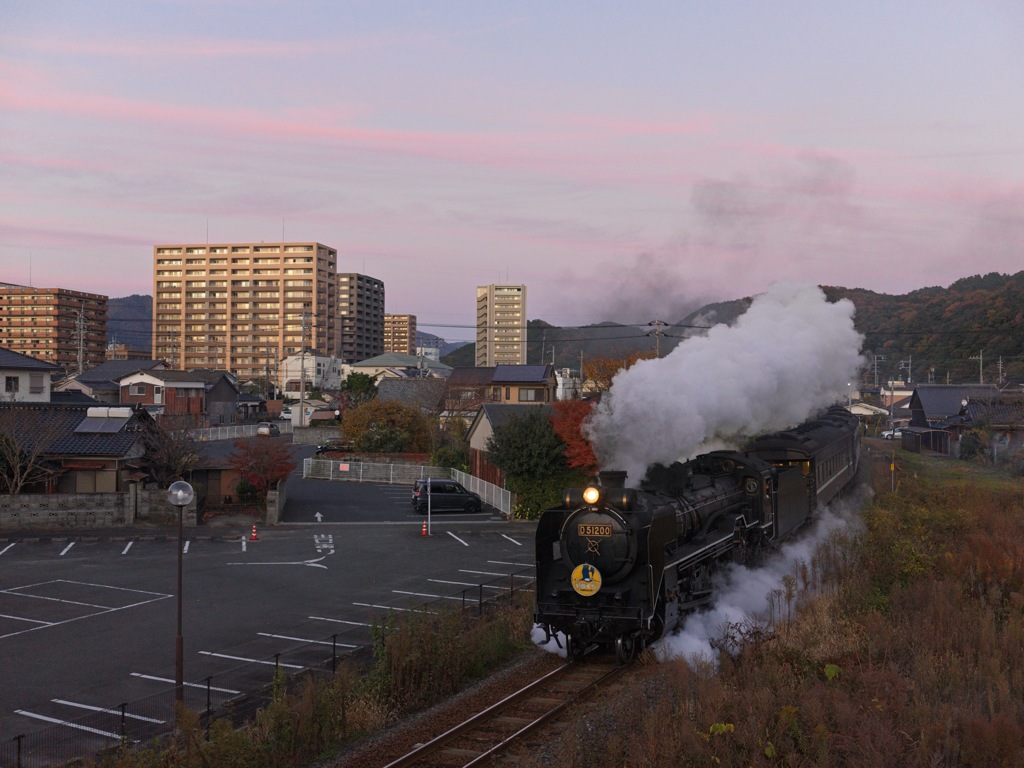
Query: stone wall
point(147, 506)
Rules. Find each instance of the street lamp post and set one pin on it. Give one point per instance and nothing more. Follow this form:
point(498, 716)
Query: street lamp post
point(180, 494)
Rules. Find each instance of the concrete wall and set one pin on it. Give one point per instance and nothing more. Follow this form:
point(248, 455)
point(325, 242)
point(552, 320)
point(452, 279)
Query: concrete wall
point(148, 506)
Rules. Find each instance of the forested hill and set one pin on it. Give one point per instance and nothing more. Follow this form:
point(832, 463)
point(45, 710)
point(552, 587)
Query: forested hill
point(957, 334)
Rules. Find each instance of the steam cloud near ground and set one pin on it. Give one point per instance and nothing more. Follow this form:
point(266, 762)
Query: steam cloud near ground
point(790, 355)
point(741, 594)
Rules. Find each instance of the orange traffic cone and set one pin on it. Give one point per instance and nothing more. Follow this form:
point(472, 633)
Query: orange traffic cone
point(424, 531)
point(253, 536)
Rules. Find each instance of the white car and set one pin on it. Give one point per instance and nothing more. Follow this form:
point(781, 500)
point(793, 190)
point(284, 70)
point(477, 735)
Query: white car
point(892, 434)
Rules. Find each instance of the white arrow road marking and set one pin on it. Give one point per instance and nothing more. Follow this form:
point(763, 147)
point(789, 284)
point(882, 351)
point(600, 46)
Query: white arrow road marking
point(319, 517)
point(311, 563)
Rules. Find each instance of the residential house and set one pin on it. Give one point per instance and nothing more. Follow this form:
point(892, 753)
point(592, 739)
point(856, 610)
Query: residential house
point(470, 388)
point(394, 365)
point(174, 398)
point(312, 370)
point(933, 410)
point(103, 382)
point(25, 379)
point(222, 397)
point(89, 449)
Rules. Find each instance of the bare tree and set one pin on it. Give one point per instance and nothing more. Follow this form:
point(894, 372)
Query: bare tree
point(171, 452)
point(25, 439)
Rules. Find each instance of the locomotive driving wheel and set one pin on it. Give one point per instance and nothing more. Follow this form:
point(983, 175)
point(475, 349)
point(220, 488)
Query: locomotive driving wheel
point(625, 648)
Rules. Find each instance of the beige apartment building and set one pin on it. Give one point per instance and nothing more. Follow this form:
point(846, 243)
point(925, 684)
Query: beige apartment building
point(500, 325)
point(360, 316)
point(400, 334)
point(243, 307)
point(55, 325)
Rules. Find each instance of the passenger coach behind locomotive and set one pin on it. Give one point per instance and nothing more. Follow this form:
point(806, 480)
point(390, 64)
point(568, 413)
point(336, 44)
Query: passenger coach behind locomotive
point(619, 568)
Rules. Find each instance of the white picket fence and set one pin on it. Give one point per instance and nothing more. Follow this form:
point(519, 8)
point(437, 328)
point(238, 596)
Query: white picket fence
point(405, 474)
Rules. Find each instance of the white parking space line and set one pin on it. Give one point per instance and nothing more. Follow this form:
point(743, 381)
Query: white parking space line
point(390, 608)
point(184, 550)
point(7, 547)
point(467, 584)
point(458, 539)
point(15, 591)
point(517, 543)
point(21, 618)
point(129, 546)
point(251, 661)
point(97, 731)
point(190, 685)
point(508, 562)
point(305, 640)
point(65, 550)
point(489, 573)
point(106, 711)
point(340, 621)
point(424, 594)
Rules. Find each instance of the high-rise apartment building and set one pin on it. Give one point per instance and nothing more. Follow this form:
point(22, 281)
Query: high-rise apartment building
point(243, 307)
point(400, 334)
point(360, 317)
point(58, 326)
point(500, 325)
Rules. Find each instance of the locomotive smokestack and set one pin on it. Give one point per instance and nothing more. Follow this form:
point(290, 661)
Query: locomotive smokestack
point(612, 478)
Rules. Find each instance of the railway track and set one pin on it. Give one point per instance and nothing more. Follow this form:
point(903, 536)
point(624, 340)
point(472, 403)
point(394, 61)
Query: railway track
point(500, 727)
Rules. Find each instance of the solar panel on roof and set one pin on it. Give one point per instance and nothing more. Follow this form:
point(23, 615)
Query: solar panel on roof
point(92, 424)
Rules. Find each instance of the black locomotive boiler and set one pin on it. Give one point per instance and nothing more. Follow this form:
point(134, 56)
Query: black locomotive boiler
point(619, 567)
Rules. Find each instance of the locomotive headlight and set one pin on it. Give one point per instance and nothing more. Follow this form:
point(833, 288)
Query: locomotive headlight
point(592, 495)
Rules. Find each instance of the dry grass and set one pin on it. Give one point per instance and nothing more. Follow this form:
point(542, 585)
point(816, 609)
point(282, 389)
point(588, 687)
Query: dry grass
point(908, 649)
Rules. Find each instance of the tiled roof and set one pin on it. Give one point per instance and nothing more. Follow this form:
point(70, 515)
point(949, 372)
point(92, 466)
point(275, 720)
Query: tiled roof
point(421, 393)
point(499, 414)
point(10, 359)
point(470, 377)
point(940, 401)
point(30, 422)
point(397, 360)
point(112, 370)
point(520, 374)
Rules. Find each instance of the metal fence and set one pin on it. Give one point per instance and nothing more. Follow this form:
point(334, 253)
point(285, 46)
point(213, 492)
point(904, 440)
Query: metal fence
point(238, 430)
point(236, 691)
point(405, 474)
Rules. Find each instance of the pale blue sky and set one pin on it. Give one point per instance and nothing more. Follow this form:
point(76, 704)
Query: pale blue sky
point(627, 161)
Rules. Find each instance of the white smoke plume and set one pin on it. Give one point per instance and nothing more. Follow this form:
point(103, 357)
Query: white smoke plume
point(742, 594)
point(789, 356)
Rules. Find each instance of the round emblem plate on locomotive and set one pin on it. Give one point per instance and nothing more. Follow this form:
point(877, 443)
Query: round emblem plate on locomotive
point(586, 579)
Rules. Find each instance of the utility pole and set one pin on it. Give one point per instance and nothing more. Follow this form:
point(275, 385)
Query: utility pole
point(302, 376)
point(981, 366)
point(877, 358)
point(658, 325)
point(80, 333)
point(907, 365)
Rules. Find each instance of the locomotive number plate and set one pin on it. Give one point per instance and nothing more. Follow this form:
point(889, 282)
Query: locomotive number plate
point(594, 530)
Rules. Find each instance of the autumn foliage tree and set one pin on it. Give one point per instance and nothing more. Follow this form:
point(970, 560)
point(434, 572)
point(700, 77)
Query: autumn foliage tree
point(262, 462)
point(567, 420)
point(387, 426)
point(598, 372)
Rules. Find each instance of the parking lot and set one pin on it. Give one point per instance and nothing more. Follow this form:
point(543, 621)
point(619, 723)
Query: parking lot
point(91, 619)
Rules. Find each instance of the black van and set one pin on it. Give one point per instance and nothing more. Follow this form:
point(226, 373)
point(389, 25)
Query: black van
point(445, 496)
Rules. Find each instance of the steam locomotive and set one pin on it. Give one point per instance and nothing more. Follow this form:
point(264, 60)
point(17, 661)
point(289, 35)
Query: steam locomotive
point(619, 567)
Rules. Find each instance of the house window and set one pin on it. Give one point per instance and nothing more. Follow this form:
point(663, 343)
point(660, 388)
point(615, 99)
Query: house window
point(137, 389)
point(11, 384)
point(35, 383)
point(529, 396)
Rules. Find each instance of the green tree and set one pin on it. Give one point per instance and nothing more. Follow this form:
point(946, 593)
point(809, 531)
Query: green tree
point(377, 425)
point(357, 389)
point(451, 449)
point(527, 446)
